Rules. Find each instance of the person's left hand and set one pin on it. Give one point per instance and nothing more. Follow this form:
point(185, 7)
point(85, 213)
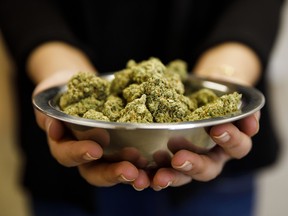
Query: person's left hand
point(233, 142)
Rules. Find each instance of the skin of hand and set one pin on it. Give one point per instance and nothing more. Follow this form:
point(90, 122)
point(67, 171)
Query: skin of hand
point(52, 64)
point(55, 62)
point(232, 62)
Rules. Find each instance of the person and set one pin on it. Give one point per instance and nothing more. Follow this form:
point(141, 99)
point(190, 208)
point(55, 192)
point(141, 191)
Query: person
point(227, 40)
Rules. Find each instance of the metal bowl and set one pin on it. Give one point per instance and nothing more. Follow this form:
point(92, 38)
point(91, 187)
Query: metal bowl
point(150, 145)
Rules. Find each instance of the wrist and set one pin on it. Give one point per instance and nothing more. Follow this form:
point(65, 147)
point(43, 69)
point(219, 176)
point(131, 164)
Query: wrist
point(223, 72)
point(230, 61)
point(55, 79)
point(54, 57)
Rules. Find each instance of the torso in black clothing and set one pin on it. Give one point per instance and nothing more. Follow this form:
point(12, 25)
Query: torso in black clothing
point(113, 32)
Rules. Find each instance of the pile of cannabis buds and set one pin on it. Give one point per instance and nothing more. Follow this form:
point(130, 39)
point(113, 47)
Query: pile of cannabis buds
point(144, 92)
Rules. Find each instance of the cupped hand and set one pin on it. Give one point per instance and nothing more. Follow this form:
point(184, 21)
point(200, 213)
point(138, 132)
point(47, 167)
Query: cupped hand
point(233, 142)
point(85, 154)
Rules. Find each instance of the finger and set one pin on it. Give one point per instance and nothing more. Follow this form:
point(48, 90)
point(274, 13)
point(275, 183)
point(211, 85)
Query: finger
point(250, 124)
point(54, 128)
point(166, 177)
point(109, 174)
point(200, 167)
point(234, 142)
point(142, 181)
point(70, 152)
point(40, 119)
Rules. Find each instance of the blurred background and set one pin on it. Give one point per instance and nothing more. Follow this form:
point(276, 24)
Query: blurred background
point(272, 183)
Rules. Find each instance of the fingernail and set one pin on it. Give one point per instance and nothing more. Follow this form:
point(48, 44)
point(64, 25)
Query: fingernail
point(187, 166)
point(89, 157)
point(257, 115)
point(123, 178)
point(48, 124)
point(223, 137)
point(137, 189)
point(158, 188)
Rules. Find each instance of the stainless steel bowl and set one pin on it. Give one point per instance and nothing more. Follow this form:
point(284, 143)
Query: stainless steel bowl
point(150, 145)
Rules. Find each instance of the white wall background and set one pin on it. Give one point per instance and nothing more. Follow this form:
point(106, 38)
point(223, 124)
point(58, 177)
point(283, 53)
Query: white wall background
point(273, 183)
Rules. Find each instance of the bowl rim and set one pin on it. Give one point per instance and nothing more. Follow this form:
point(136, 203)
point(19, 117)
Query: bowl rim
point(252, 101)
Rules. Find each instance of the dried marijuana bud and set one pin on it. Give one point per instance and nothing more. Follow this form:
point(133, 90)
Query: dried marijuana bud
point(136, 112)
point(144, 92)
point(85, 85)
point(179, 67)
point(225, 105)
point(93, 114)
point(203, 97)
point(112, 107)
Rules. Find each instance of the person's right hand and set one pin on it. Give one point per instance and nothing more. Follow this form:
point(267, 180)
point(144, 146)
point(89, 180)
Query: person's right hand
point(86, 154)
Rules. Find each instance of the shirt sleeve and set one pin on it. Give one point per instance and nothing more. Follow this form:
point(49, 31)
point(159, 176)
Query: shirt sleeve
point(252, 22)
point(26, 24)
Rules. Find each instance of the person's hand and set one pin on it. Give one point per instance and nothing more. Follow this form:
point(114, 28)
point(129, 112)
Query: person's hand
point(86, 154)
point(54, 63)
point(222, 62)
point(233, 141)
